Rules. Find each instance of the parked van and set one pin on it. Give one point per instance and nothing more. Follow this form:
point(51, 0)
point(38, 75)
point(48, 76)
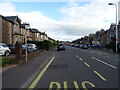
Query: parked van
point(4, 49)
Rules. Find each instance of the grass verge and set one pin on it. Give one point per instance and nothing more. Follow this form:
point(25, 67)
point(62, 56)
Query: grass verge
point(5, 60)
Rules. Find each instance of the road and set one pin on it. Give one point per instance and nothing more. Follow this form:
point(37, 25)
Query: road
point(73, 68)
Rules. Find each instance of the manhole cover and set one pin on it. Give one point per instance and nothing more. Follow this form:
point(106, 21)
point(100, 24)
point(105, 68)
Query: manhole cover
point(62, 66)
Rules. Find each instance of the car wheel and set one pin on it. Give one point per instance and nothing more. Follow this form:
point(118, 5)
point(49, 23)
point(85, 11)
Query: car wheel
point(7, 53)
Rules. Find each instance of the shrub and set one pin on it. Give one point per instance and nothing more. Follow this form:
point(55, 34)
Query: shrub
point(6, 60)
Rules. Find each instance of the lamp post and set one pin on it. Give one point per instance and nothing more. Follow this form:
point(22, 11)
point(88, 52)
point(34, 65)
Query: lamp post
point(116, 26)
point(26, 47)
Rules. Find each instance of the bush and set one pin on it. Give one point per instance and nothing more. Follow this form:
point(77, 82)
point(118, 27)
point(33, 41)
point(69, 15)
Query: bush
point(6, 60)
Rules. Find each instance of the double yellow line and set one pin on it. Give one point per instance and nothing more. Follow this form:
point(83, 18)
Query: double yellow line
point(40, 74)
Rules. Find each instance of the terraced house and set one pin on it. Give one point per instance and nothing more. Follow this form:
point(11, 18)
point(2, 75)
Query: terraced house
point(12, 31)
point(16, 32)
point(6, 30)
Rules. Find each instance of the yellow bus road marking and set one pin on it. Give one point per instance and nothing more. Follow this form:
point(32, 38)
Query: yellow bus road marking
point(100, 76)
point(76, 85)
point(40, 74)
point(81, 59)
point(86, 64)
point(54, 83)
point(87, 82)
point(65, 85)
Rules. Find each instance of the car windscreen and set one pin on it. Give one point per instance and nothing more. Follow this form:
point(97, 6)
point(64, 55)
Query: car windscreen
point(3, 45)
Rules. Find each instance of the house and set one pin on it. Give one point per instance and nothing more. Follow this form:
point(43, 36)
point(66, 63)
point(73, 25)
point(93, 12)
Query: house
point(35, 34)
point(6, 30)
point(103, 38)
point(23, 32)
point(90, 38)
point(109, 35)
point(12, 31)
point(96, 38)
point(45, 37)
point(51, 40)
point(119, 32)
point(26, 31)
point(16, 32)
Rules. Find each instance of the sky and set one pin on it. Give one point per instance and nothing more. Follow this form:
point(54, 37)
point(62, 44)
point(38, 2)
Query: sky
point(60, 20)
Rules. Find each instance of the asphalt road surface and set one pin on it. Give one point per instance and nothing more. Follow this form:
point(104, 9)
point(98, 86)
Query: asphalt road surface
point(73, 68)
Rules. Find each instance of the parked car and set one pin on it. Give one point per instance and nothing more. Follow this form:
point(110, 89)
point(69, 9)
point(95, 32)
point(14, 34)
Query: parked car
point(4, 49)
point(12, 48)
point(29, 50)
point(96, 45)
point(32, 47)
point(83, 46)
point(71, 45)
point(60, 47)
point(89, 46)
point(77, 45)
point(23, 49)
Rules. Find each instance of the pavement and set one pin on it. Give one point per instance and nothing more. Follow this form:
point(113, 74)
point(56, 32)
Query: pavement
point(73, 68)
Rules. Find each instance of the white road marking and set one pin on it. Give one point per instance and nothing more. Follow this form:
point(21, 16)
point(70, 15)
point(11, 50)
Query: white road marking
point(104, 62)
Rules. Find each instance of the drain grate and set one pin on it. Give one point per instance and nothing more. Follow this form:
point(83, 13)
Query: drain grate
point(61, 66)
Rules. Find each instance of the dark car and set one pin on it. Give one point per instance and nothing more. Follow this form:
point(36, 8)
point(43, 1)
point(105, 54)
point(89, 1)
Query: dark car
point(60, 47)
point(96, 45)
point(12, 48)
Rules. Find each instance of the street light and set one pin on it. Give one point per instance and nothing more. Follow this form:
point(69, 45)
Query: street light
point(26, 47)
point(116, 26)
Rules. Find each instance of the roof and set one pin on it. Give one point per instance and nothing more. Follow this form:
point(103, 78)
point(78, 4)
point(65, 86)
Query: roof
point(102, 33)
point(5, 18)
point(43, 33)
point(34, 30)
point(23, 26)
point(51, 39)
point(13, 18)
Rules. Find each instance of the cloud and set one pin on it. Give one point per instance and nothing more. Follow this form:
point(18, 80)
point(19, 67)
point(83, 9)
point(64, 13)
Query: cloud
point(78, 20)
point(7, 9)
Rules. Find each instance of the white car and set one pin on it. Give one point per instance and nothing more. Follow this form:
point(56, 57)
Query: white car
point(4, 49)
point(32, 46)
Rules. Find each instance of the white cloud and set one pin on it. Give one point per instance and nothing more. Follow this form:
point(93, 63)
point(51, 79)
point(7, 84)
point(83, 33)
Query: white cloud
point(78, 20)
point(7, 9)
